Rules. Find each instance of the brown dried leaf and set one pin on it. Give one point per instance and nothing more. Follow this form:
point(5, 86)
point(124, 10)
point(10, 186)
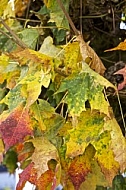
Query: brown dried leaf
point(90, 57)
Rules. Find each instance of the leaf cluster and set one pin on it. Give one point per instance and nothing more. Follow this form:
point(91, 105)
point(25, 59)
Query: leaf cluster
point(55, 118)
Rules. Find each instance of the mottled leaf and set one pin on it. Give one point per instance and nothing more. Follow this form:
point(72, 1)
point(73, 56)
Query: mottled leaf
point(33, 83)
point(29, 174)
point(72, 57)
point(84, 86)
point(80, 167)
point(94, 178)
point(86, 131)
point(44, 151)
point(15, 127)
point(13, 98)
point(105, 156)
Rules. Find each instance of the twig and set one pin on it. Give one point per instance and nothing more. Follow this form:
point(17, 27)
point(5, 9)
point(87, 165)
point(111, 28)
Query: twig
point(14, 36)
point(68, 17)
point(81, 9)
point(94, 16)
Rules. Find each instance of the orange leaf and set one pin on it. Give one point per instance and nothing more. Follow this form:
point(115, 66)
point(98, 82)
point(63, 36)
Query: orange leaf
point(121, 46)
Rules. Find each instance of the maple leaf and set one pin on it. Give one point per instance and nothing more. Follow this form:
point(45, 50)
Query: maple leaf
point(44, 151)
point(86, 131)
point(80, 87)
point(15, 127)
point(118, 142)
point(80, 167)
point(121, 72)
point(105, 156)
point(94, 178)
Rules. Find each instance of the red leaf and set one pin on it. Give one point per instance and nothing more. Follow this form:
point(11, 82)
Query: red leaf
point(29, 174)
point(122, 72)
point(15, 127)
point(78, 170)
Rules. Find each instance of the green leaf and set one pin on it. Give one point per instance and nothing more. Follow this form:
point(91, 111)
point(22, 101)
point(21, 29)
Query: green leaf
point(30, 37)
point(13, 98)
point(83, 86)
point(56, 14)
point(10, 160)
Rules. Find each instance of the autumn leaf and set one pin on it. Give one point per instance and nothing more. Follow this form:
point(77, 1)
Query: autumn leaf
point(44, 151)
point(80, 167)
point(72, 57)
point(83, 86)
point(121, 72)
point(105, 156)
point(118, 142)
point(86, 131)
point(32, 84)
point(121, 46)
point(29, 174)
point(90, 57)
point(15, 127)
point(94, 178)
point(3, 6)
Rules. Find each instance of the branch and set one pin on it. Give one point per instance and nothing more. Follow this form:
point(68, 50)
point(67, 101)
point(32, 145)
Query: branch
point(68, 17)
point(14, 36)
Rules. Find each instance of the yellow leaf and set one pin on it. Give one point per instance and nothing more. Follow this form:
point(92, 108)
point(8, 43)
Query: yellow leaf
point(44, 152)
point(105, 156)
point(3, 4)
point(87, 130)
point(72, 57)
point(118, 142)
